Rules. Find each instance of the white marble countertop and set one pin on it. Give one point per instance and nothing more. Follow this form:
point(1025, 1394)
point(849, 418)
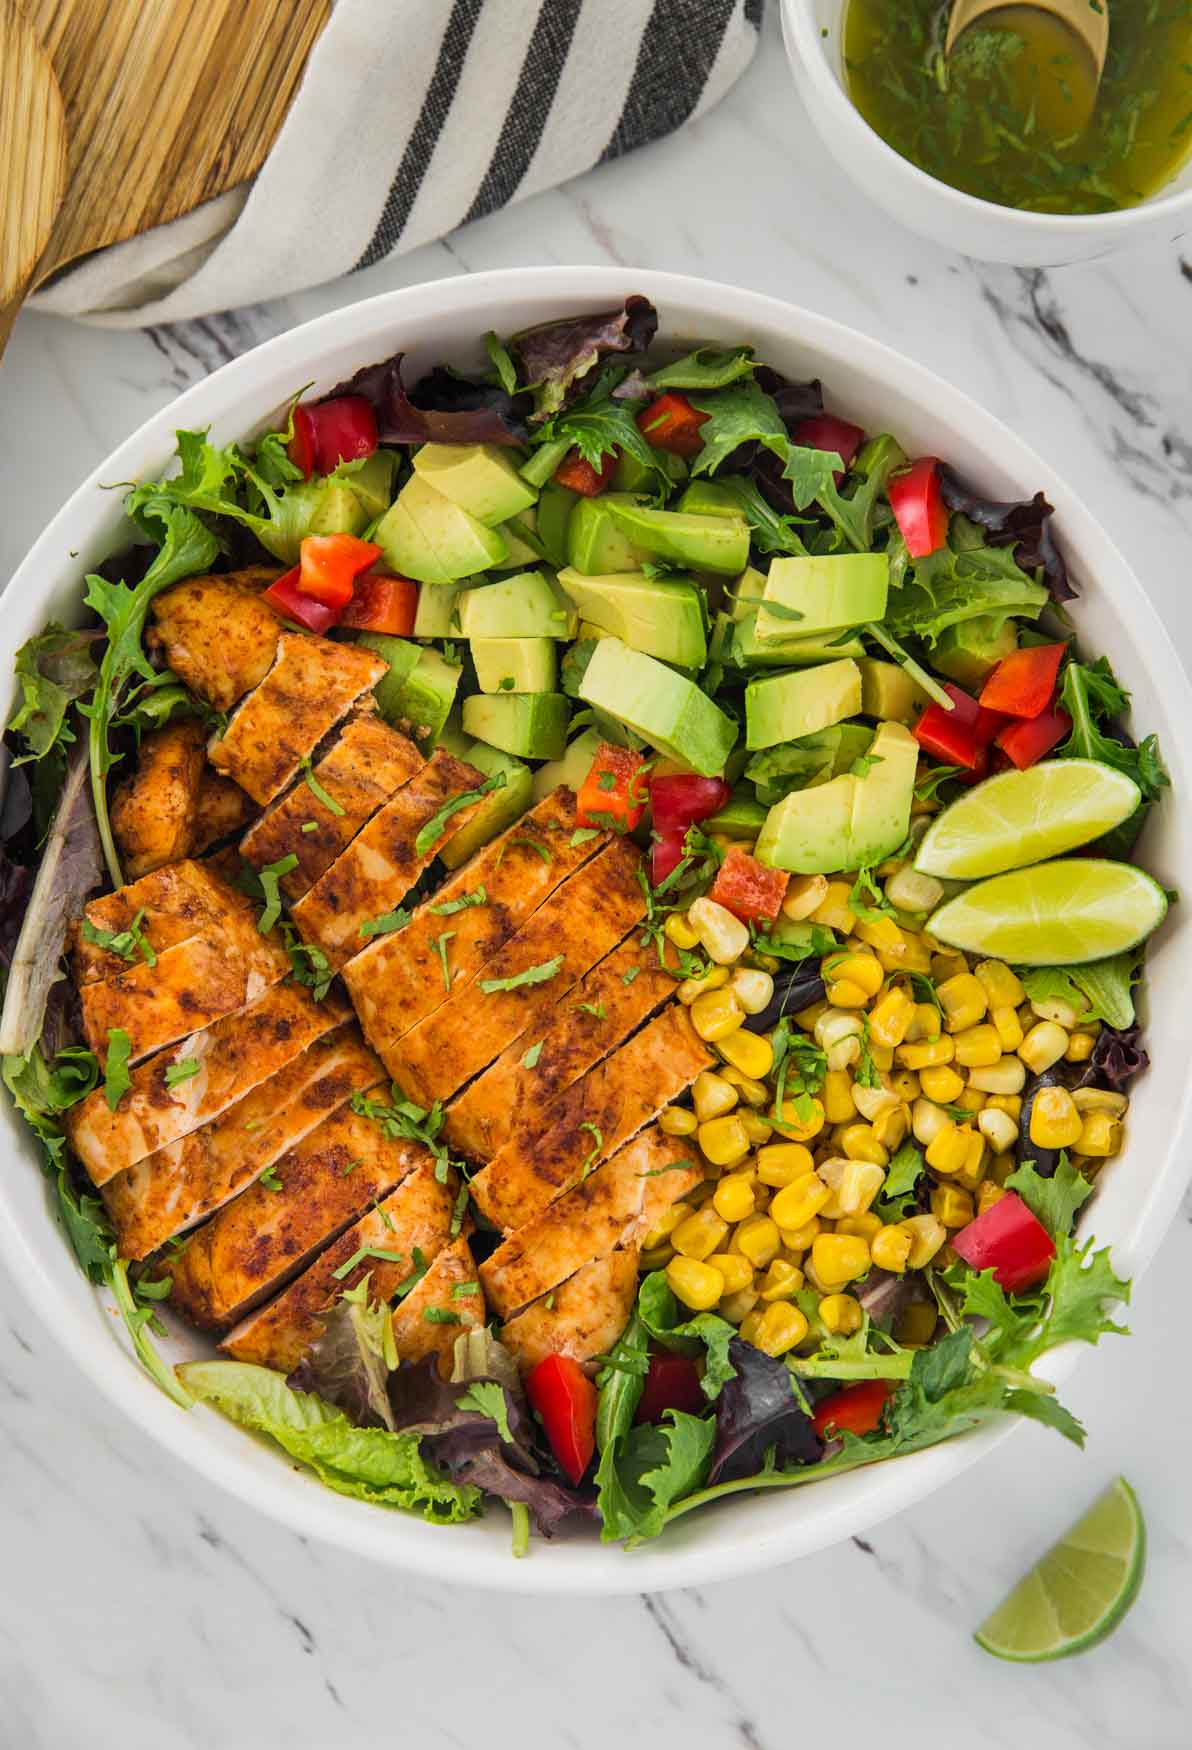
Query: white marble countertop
point(140, 1607)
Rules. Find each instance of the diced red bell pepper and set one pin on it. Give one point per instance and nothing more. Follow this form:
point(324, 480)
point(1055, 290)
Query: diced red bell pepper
point(382, 604)
point(613, 794)
point(825, 432)
point(580, 476)
point(286, 599)
point(671, 423)
point(1022, 683)
point(565, 1398)
point(856, 1409)
point(1008, 1240)
point(1029, 739)
point(958, 737)
point(301, 449)
point(747, 888)
point(330, 564)
point(680, 800)
point(919, 508)
point(671, 1384)
point(327, 433)
point(666, 853)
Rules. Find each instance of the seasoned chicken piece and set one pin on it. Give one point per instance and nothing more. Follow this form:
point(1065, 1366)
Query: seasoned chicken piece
point(312, 684)
point(270, 1232)
point(187, 986)
point(234, 1054)
point(578, 924)
point(397, 979)
point(582, 1317)
point(359, 773)
point(392, 1245)
point(508, 1099)
point(172, 1190)
point(216, 633)
point(615, 1206)
point(221, 808)
point(385, 858)
point(447, 1301)
point(174, 905)
point(153, 810)
point(592, 1119)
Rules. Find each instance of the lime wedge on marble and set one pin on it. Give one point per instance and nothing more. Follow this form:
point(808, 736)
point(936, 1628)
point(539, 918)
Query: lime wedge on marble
point(1053, 914)
point(1080, 1590)
point(1022, 817)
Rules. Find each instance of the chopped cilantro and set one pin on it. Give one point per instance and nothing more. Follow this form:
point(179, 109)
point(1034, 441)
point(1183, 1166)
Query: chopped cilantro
point(359, 1256)
point(270, 1180)
point(429, 834)
point(387, 922)
point(539, 974)
point(440, 1315)
point(117, 1081)
point(269, 878)
point(590, 1160)
point(581, 835)
point(441, 950)
point(446, 907)
point(126, 944)
point(182, 1072)
point(318, 792)
point(530, 1060)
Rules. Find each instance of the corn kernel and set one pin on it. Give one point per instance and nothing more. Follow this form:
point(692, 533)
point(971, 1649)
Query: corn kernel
point(890, 1128)
point(797, 1203)
point(781, 1163)
point(910, 891)
point(751, 1053)
point(1055, 1121)
point(724, 1141)
point(837, 1096)
point(1043, 1046)
point(941, 1083)
point(928, 1234)
point(989, 1192)
point(1100, 1135)
point(1100, 1100)
point(1057, 1009)
point(1009, 1027)
point(925, 1025)
point(890, 1018)
point(700, 1235)
point(755, 1094)
point(655, 1257)
point(735, 1268)
point(749, 1325)
point(804, 893)
point(667, 1222)
point(796, 1240)
point(927, 1120)
point(963, 1002)
point(928, 1055)
point(1080, 1047)
point(801, 1127)
point(833, 908)
point(978, 1047)
point(909, 955)
point(782, 1281)
point(841, 1314)
point(716, 1014)
point(1010, 1104)
point(679, 930)
point(860, 1144)
point(1003, 988)
point(677, 1121)
point(714, 979)
point(780, 1328)
point(737, 1307)
point(733, 1199)
point(948, 1150)
point(947, 963)
point(999, 1130)
point(872, 1102)
point(854, 1185)
point(1006, 1076)
point(866, 1225)
point(952, 1206)
point(975, 1161)
point(847, 995)
point(890, 1249)
point(906, 1084)
point(697, 1285)
point(752, 988)
point(756, 1128)
point(723, 937)
point(861, 969)
point(758, 1239)
point(972, 1099)
point(916, 1325)
point(839, 1258)
point(712, 1096)
point(883, 935)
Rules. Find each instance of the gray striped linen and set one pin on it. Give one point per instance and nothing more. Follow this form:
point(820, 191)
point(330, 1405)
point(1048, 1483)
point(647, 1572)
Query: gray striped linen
point(414, 117)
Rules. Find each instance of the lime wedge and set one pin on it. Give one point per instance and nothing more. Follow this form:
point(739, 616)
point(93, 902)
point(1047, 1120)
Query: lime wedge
point(1078, 908)
point(1023, 817)
point(1081, 1589)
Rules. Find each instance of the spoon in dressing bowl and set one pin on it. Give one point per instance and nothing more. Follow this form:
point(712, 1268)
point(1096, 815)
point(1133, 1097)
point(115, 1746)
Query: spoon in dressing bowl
point(1086, 19)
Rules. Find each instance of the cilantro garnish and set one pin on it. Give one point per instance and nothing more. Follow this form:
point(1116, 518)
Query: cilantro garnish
point(530, 1060)
point(429, 834)
point(182, 1072)
point(441, 950)
point(386, 923)
point(126, 944)
point(446, 907)
point(540, 974)
point(318, 792)
point(487, 1398)
point(117, 1081)
point(590, 1160)
point(359, 1256)
point(269, 878)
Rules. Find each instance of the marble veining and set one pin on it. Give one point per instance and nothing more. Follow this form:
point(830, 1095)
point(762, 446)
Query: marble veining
point(141, 1608)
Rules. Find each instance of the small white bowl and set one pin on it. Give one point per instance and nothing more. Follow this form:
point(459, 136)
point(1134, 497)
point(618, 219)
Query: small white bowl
point(1137, 1196)
point(814, 30)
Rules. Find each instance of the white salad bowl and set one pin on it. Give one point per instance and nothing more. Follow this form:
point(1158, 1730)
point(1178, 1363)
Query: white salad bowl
point(1137, 1194)
point(814, 31)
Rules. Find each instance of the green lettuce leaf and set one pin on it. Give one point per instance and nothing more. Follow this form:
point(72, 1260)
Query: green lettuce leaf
point(959, 583)
point(1092, 697)
point(1053, 1201)
point(738, 415)
point(659, 1312)
point(52, 671)
point(705, 368)
point(1099, 990)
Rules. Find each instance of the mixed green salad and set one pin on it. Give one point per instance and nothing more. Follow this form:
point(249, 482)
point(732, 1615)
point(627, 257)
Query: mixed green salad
point(887, 810)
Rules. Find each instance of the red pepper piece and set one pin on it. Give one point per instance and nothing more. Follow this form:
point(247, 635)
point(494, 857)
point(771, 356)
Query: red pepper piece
point(345, 431)
point(671, 423)
point(286, 599)
point(612, 794)
point(382, 604)
point(302, 445)
point(1029, 739)
point(565, 1398)
point(580, 476)
point(671, 1384)
point(1008, 1240)
point(919, 508)
point(679, 800)
point(747, 888)
point(857, 1409)
point(960, 736)
point(666, 853)
point(1022, 683)
point(825, 432)
point(330, 564)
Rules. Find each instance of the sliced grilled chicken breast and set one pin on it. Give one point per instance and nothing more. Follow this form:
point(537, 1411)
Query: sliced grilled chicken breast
point(582, 1317)
point(221, 808)
point(447, 1301)
point(216, 633)
point(188, 986)
point(172, 905)
point(153, 810)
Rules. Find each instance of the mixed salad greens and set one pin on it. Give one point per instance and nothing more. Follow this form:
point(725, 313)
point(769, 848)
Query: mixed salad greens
point(833, 693)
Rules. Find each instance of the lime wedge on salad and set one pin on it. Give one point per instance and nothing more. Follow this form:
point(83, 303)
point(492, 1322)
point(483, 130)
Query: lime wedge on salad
point(1022, 817)
point(1077, 908)
point(1080, 1590)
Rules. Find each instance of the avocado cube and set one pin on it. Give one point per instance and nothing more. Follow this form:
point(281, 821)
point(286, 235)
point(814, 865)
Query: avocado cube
point(437, 613)
point(426, 536)
point(814, 759)
point(531, 725)
point(852, 820)
point(514, 665)
point(749, 651)
point(888, 691)
point(828, 591)
point(417, 693)
point(596, 545)
point(782, 707)
point(666, 709)
point(704, 543)
point(740, 818)
point(523, 548)
point(555, 505)
point(572, 769)
point(632, 475)
point(372, 482)
point(711, 498)
point(523, 606)
point(481, 478)
point(968, 653)
point(497, 810)
point(335, 510)
point(664, 617)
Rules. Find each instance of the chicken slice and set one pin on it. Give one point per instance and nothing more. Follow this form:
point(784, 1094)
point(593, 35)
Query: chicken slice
point(187, 986)
point(153, 810)
point(615, 1206)
point(221, 808)
point(384, 860)
point(447, 1301)
point(392, 1245)
point(216, 633)
point(172, 1190)
point(174, 905)
point(262, 1239)
point(397, 980)
point(312, 684)
point(582, 1317)
point(591, 1120)
point(360, 772)
point(234, 1054)
point(577, 925)
point(603, 1009)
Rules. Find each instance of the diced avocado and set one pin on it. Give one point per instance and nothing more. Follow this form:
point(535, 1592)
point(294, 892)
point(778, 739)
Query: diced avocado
point(709, 498)
point(588, 633)
point(372, 482)
point(425, 536)
point(523, 606)
point(418, 692)
point(481, 478)
point(499, 809)
point(664, 617)
point(521, 542)
point(596, 544)
point(630, 475)
point(814, 759)
point(572, 769)
point(666, 708)
point(782, 707)
point(336, 510)
point(740, 818)
point(968, 653)
point(705, 543)
point(830, 591)
point(748, 650)
point(437, 613)
point(555, 505)
point(452, 737)
point(514, 665)
point(746, 594)
point(887, 691)
point(853, 820)
point(533, 725)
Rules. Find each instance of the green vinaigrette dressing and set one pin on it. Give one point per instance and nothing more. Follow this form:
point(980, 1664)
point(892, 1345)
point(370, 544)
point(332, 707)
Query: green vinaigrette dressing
point(1013, 115)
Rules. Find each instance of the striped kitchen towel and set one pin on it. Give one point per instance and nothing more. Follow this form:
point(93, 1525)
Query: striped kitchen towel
point(413, 117)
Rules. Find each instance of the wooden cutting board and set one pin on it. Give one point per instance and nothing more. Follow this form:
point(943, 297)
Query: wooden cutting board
point(165, 104)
